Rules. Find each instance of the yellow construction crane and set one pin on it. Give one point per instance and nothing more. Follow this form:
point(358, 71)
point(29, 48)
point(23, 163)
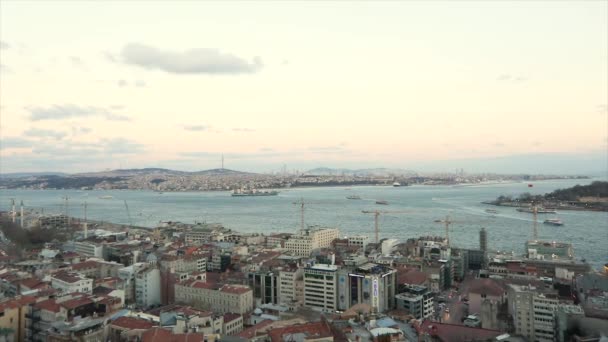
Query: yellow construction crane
point(377, 215)
point(448, 221)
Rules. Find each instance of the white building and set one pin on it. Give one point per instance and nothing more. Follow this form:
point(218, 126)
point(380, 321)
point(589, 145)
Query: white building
point(71, 282)
point(310, 239)
point(533, 312)
point(147, 287)
point(291, 286)
point(88, 249)
point(320, 287)
point(388, 245)
point(360, 241)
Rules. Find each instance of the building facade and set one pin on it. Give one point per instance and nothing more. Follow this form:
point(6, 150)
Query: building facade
point(370, 283)
point(310, 239)
point(320, 287)
point(418, 301)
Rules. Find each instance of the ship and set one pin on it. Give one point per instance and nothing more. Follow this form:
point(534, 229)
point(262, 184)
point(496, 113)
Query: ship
point(554, 222)
point(105, 197)
point(396, 184)
point(382, 202)
point(253, 192)
point(491, 211)
point(353, 197)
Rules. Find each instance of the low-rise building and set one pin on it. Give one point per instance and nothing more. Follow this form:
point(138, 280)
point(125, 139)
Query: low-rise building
point(71, 282)
point(311, 239)
point(222, 299)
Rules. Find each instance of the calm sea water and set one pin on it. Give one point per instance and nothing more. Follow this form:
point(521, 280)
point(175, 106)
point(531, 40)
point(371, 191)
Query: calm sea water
point(507, 230)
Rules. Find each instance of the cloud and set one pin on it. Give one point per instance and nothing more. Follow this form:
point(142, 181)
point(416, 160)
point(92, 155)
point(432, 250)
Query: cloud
point(511, 78)
point(121, 146)
point(602, 108)
point(196, 128)
point(499, 144)
point(45, 133)
point(76, 61)
point(4, 45)
point(70, 111)
point(104, 147)
point(15, 142)
point(267, 149)
point(328, 149)
point(81, 130)
point(243, 130)
point(193, 61)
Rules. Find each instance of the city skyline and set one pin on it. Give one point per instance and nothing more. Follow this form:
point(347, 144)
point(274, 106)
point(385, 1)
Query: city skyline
point(428, 87)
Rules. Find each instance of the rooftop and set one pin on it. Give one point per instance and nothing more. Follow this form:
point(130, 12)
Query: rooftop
point(132, 323)
point(323, 267)
point(456, 333)
point(308, 331)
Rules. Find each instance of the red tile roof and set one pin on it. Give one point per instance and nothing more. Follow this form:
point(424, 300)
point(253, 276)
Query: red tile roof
point(229, 317)
point(84, 265)
point(17, 302)
point(487, 286)
point(413, 277)
point(132, 323)
point(76, 302)
point(33, 283)
point(255, 330)
point(48, 305)
point(162, 335)
point(67, 277)
point(314, 330)
point(235, 289)
point(456, 333)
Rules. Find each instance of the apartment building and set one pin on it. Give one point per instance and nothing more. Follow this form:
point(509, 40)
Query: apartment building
point(320, 287)
point(183, 263)
point(310, 239)
point(147, 287)
point(417, 301)
point(221, 299)
point(360, 241)
point(88, 249)
point(71, 282)
point(291, 286)
point(533, 312)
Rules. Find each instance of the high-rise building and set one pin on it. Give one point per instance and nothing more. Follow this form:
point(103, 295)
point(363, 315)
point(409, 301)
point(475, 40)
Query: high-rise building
point(533, 312)
point(147, 287)
point(320, 287)
point(291, 286)
point(370, 283)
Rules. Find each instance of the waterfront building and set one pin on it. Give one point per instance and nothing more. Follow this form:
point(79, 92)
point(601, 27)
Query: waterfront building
point(549, 250)
point(320, 287)
point(370, 283)
point(311, 239)
point(417, 301)
point(360, 241)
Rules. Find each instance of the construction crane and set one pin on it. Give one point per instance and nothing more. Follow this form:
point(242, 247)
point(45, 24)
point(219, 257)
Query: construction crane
point(302, 204)
point(448, 221)
point(377, 215)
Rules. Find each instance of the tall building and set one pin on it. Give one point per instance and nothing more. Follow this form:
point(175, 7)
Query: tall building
point(417, 301)
point(265, 287)
point(370, 283)
point(533, 312)
point(320, 287)
point(310, 239)
point(291, 286)
point(483, 240)
point(147, 287)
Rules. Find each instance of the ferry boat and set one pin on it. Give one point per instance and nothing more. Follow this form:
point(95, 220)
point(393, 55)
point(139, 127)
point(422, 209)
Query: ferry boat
point(396, 184)
point(105, 197)
point(253, 192)
point(554, 222)
point(353, 197)
point(382, 202)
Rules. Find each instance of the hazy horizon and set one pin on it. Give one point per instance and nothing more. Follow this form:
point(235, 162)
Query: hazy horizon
point(503, 87)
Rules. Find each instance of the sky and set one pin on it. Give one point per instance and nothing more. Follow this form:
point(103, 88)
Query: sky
point(485, 86)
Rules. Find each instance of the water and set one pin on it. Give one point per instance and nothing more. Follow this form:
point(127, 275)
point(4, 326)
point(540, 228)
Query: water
point(507, 230)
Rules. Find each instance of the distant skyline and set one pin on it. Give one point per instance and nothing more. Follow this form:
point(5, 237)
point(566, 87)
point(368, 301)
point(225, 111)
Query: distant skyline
point(485, 86)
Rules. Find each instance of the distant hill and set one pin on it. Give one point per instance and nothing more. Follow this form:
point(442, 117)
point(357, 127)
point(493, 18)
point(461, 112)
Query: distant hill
point(379, 172)
point(220, 172)
point(31, 174)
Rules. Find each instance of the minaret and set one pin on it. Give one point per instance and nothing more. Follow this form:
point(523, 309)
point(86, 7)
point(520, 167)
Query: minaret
point(21, 213)
point(483, 240)
point(14, 212)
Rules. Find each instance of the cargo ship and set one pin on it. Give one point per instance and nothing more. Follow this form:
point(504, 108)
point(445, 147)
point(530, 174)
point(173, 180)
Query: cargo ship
point(382, 202)
point(253, 192)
